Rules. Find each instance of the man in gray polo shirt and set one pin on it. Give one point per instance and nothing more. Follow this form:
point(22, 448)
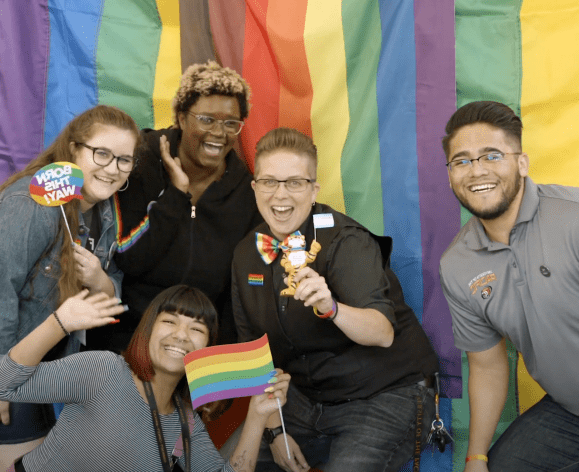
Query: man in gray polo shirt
point(513, 272)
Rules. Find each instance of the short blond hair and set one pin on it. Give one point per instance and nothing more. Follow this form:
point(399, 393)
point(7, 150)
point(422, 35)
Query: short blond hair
point(210, 79)
point(286, 139)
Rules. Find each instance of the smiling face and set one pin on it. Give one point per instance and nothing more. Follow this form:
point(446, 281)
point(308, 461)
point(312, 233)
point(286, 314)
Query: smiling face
point(102, 182)
point(487, 192)
point(207, 149)
point(282, 210)
point(173, 336)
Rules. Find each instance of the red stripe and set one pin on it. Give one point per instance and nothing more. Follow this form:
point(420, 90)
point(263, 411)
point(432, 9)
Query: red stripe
point(227, 21)
point(36, 190)
point(226, 349)
point(260, 71)
point(118, 219)
point(285, 27)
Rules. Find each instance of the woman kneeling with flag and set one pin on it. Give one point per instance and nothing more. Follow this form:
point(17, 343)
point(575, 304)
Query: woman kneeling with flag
point(129, 412)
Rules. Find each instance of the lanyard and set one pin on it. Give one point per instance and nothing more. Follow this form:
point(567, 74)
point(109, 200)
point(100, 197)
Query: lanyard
point(167, 465)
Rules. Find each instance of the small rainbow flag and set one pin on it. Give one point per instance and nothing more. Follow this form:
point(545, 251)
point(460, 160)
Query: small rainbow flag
point(229, 371)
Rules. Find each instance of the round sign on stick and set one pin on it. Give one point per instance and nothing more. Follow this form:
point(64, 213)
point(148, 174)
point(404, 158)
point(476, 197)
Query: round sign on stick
point(57, 184)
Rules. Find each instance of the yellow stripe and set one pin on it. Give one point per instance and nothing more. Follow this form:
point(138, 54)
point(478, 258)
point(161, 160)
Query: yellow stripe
point(193, 374)
point(529, 391)
point(550, 89)
point(168, 70)
point(550, 110)
point(326, 54)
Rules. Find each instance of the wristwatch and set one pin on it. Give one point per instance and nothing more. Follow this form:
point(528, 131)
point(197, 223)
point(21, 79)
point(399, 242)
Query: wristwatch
point(271, 434)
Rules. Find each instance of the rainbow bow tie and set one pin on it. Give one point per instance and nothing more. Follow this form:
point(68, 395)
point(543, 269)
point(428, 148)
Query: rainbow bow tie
point(269, 247)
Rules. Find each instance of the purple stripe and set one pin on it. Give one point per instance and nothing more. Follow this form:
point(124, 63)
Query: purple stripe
point(224, 394)
point(24, 53)
point(439, 209)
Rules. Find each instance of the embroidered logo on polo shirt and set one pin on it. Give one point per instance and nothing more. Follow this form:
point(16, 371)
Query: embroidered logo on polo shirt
point(481, 280)
point(255, 279)
point(486, 292)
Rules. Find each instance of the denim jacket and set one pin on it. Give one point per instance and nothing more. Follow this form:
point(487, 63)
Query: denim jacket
point(29, 292)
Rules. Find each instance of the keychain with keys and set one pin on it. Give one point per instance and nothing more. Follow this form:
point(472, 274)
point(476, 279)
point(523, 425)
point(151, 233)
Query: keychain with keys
point(438, 435)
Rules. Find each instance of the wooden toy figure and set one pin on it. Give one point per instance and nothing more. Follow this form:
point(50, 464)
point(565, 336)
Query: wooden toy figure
point(295, 257)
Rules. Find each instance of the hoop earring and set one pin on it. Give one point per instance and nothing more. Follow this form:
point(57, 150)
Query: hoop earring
point(126, 186)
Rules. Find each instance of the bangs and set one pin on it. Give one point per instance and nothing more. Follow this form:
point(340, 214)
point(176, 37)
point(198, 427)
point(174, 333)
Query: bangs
point(193, 304)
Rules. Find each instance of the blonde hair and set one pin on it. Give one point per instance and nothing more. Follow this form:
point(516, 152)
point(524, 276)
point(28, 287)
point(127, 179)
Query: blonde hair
point(286, 139)
point(79, 130)
point(210, 79)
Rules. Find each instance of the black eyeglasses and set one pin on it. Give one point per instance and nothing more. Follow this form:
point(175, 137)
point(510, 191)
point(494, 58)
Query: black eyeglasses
point(208, 123)
point(103, 157)
point(486, 160)
point(292, 185)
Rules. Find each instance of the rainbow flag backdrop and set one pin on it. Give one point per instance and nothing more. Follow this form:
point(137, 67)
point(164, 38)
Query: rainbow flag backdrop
point(229, 371)
point(372, 81)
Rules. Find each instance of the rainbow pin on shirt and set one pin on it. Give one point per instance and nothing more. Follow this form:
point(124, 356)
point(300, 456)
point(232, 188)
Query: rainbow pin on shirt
point(255, 279)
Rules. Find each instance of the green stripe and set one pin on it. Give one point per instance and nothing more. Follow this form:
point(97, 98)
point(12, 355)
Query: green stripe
point(360, 164)
point(460, 410)
point(488, 67)
point(220, 377)
point(128, 47)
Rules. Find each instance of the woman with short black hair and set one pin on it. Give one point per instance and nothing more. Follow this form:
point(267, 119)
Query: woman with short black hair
point(127, 413)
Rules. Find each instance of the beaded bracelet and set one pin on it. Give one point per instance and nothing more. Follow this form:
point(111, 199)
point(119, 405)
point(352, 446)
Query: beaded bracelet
point(480, 457)
point(330, 315)
point(60, 323)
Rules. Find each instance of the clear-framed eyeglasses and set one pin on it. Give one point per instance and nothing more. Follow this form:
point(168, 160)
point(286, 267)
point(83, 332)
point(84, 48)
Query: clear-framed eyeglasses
point(292, 185)
point(208, 123)
point(103, 157)
point(487, 160)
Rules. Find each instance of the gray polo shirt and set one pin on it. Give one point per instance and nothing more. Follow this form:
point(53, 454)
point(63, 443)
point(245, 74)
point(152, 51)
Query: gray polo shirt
point(527, 291)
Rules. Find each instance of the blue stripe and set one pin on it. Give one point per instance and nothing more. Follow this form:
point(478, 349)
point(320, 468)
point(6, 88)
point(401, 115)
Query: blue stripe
point(78, 181)
point(230, 385)
point(396, 88)
point(72, 83)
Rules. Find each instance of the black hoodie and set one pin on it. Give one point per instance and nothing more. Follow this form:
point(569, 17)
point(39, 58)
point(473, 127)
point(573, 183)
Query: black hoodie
point(172, 247)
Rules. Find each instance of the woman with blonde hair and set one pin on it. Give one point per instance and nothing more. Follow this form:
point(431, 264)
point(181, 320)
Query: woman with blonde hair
point(41, 268)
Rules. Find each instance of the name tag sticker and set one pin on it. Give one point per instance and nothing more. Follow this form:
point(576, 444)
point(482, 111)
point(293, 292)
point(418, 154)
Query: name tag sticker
point(324, 220)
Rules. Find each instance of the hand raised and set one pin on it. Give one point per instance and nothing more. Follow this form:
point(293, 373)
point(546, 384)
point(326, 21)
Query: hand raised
point(173, 166)
point(85, 312)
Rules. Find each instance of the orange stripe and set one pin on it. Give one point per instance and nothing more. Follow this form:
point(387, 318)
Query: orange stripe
point(285, 27)
point(216, 360)
point(227, 349)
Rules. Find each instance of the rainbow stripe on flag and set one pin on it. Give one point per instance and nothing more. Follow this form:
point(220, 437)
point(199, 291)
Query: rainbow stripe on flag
point(229, 371)
point(373, 81)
